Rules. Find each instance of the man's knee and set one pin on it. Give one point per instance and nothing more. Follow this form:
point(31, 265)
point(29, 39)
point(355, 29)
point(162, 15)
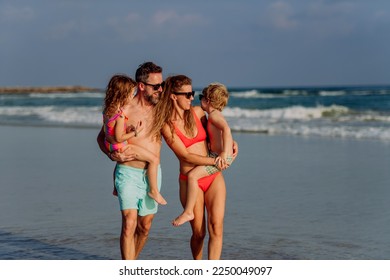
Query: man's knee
point(144, 225)
point(129, 223)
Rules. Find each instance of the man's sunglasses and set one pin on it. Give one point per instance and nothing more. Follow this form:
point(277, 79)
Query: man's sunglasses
point(187, 94)
point(156, 86)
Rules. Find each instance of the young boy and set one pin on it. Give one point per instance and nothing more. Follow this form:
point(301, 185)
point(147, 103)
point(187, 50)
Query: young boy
point(213, 99)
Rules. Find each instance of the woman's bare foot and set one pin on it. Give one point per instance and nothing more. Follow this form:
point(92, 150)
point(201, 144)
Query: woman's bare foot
point(158, 198)
point(183, 218)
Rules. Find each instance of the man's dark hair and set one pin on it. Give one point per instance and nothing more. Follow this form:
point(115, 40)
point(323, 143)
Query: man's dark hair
point(143, 71)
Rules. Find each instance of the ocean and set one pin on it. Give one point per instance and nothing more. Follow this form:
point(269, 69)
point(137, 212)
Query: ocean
point(341, 112)
point(311, 181)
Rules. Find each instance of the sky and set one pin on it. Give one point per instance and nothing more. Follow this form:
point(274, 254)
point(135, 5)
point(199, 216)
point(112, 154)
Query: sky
point(247, 43)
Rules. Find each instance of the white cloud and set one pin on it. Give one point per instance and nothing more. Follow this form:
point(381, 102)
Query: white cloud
point(171, 17)
point(281, 15)
point(136, 27)
point(15, 14)
point(64, 30)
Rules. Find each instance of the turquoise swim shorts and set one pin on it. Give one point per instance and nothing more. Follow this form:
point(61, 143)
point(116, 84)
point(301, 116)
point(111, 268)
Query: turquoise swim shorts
point(132, 186)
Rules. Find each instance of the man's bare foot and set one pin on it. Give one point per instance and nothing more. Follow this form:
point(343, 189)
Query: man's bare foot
point(158, 198)
point(183, 218)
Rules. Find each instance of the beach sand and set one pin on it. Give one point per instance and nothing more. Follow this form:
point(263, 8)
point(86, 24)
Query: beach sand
point(288, 198)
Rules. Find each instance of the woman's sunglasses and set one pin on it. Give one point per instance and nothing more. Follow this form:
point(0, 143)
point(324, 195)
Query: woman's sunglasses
point(187, 94)
point(156, 86)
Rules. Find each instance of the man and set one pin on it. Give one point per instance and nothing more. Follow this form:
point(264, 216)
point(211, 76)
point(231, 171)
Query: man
point(137, 208)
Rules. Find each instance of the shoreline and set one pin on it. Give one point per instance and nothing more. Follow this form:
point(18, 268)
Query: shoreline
point(308, 199)
point(47, 89)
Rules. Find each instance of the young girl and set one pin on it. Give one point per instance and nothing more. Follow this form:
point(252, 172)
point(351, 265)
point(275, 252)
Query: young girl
point(213, 100)
point(120, 92)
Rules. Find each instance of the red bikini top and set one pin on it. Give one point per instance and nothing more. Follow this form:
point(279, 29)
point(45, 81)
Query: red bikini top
point(200, 136)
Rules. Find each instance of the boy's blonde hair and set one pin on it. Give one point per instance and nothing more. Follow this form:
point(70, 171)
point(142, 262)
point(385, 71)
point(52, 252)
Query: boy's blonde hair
point(217, 94)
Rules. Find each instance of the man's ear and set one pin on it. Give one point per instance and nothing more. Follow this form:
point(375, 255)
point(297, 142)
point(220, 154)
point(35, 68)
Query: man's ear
point(141, 86)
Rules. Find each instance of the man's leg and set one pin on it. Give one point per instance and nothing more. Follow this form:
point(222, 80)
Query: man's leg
point(142, 232)
point(127, 240)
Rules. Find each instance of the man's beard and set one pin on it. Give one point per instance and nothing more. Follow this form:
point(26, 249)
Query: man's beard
point(151, 98)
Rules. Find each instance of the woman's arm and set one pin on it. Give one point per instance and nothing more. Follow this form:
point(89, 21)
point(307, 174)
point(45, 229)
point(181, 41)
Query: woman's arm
point(181, 151)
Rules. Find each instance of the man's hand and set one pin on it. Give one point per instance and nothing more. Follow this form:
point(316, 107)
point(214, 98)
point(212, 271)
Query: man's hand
point(125, 154)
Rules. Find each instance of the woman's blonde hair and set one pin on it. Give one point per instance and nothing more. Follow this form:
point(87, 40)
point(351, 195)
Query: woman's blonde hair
point(217, 94)
point(117, 92)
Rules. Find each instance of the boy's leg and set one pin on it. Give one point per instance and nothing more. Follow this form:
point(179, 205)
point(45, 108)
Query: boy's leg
point(192, 192)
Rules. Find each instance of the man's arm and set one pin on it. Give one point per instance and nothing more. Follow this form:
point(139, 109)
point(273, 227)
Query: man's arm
point(100, 141)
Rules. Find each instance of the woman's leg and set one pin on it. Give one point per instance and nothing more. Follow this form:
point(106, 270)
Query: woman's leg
point(197, 224)
point(215, 200)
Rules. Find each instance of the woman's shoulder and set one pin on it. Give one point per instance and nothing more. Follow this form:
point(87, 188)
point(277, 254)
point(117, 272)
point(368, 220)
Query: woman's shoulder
point(198, 111)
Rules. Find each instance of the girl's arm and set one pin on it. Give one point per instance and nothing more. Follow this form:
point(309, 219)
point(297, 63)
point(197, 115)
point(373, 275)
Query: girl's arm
point(180, 150)
point(120, 135)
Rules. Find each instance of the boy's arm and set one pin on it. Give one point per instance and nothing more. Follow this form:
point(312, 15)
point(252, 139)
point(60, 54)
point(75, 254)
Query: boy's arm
point(227, 140)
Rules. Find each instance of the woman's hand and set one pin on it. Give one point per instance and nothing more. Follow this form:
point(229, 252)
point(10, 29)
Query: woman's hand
point(235, 149)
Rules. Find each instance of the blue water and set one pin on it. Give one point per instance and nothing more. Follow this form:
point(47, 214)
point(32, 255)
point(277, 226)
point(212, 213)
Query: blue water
point(288, 197)
point(317, 189)
point(341, 112)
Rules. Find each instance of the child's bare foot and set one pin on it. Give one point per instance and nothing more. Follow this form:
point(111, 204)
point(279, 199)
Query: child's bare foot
point(114, 192)
point(158, 198)
point(184, 217)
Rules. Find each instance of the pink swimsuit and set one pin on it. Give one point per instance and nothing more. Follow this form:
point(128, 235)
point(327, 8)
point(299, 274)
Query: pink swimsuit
point(109, 130)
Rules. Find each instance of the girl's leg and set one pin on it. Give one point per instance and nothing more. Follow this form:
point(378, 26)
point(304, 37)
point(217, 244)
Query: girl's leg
point(145, 155)
point(152, 177)
point(215, 200)
point(197, 224)
point(192, 191)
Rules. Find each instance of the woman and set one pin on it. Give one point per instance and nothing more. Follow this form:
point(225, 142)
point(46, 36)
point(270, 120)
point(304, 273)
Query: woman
point(183, 129)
